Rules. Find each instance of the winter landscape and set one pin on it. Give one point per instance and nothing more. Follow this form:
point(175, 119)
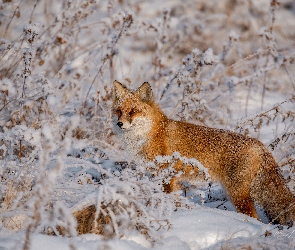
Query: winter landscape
point(66, 181)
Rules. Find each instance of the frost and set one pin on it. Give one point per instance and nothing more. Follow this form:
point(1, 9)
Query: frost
point(7, 85)
point(58, 149)
point(187, 161)
point(208, 57)
point(196, 52)
point(46, 131)
point(233, 35)
point(33, 28)
point(52, 100)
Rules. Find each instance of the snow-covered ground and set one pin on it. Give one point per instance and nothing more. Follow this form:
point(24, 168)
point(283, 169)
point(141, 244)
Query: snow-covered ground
point(57, 150)
point(198, 228)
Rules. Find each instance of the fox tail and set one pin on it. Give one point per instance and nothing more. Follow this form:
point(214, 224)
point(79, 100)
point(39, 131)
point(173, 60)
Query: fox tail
point(270, 191)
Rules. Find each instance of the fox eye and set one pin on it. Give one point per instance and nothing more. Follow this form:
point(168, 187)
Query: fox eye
point(118, 112)
point(133, 111)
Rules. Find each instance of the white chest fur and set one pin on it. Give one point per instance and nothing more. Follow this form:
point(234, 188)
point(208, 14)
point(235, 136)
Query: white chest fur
point(135, 136)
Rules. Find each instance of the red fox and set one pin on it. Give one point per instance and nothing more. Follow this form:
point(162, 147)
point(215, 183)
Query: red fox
point(243, 165)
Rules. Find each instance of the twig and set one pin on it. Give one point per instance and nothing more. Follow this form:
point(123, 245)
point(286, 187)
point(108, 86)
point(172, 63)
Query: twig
point(231, 66)
point(127, 21)
point(14, 14)
point(169, 83)
point(267, 111)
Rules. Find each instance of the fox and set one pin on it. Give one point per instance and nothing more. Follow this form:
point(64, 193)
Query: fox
point(243, 165)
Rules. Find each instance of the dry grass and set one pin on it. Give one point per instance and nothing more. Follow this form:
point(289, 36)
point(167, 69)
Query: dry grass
point(57, 76)
point(16, 196)
point(111, 221)
point(88, 222)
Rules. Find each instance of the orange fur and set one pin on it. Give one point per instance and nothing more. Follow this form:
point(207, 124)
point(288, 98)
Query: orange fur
point(243, 165)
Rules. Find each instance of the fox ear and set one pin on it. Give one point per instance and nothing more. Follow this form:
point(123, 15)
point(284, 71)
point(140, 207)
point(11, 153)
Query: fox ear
point(145, 93)
point(119, 90)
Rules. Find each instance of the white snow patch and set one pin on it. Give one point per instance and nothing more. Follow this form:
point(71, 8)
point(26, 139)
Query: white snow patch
point(194, 229)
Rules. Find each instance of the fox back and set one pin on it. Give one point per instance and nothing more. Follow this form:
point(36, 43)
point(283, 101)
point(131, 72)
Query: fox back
point(243, 165)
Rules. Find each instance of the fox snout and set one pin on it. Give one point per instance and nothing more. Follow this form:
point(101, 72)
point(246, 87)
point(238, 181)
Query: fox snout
point(120, 124)
point(124, 123)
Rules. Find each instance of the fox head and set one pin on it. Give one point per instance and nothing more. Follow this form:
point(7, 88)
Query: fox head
point(132, 109)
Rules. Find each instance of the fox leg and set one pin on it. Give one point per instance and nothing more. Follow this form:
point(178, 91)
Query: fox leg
point(172, 186)
point(244, 204)
point(188, 173)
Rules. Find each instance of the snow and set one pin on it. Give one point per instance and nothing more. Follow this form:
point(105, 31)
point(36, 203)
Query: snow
point(194, 229)
point(206, 62)
point(208, 57)
point(205, 227)
point(7, 85)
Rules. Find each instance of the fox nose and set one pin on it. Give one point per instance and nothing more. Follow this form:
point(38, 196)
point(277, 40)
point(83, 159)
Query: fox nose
point(120, 124)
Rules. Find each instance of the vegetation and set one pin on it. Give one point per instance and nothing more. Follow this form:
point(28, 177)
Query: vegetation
point(227, 64)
